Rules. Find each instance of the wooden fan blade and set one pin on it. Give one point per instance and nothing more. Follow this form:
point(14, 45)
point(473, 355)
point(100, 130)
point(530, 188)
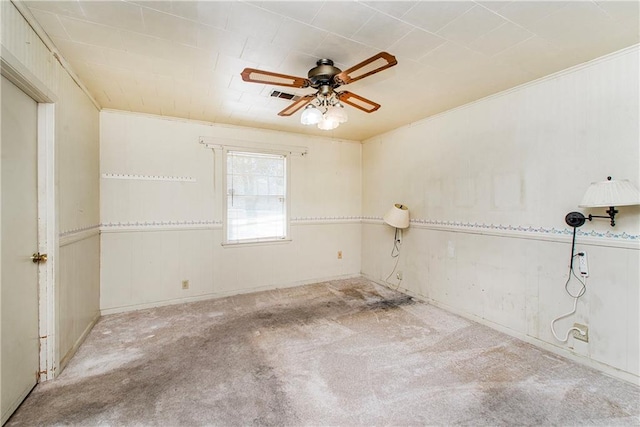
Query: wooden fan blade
point(267, 77)
point(357, 101)
point(296, 105)
point(373, 65)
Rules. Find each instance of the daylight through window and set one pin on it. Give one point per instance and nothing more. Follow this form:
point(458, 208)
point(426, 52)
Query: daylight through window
point(256, 197)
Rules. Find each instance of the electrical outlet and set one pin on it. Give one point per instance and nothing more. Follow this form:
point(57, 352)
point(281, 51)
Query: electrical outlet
point(578, 335)
point(582, 264)
point(185, 284)
point(399, 275)
point(339, 254)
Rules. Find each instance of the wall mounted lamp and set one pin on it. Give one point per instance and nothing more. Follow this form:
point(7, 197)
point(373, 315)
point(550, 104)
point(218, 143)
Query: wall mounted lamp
point(397, 216)
point(609, 193)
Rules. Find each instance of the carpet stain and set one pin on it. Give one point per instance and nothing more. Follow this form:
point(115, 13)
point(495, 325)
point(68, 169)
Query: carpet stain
point(336, 353)
point(390, 304)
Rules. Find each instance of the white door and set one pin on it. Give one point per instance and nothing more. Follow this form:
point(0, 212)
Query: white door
point(19, 240)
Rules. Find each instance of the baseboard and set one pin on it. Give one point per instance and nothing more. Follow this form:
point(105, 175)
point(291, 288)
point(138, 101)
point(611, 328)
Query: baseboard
point(602, 367)
point(67, 357)
point(214, 295)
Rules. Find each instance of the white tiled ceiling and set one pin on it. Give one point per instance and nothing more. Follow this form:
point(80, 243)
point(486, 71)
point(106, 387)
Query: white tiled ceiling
point(184, 58)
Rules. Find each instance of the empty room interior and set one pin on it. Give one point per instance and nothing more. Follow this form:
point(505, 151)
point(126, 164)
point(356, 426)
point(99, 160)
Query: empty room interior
point(320, 213)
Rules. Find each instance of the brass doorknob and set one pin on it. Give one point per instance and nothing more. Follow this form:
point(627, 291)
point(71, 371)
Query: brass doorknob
point(38, 258)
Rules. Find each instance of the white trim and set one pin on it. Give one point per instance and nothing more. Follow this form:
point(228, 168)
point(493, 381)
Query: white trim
point(47, 240)
point(589, 238)
point(72, 351)
point(287, 196)
point(265, 242)
point(146, 226)
point(606, 239)
point(214, 295)
point(147, 177)
point(13, 70)
point(326, 220)
point(136, 227)
point(560, 351)
point(236, 144)
point(74, 237)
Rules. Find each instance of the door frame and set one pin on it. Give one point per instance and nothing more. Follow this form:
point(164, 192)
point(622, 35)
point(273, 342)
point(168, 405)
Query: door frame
point(14, 71)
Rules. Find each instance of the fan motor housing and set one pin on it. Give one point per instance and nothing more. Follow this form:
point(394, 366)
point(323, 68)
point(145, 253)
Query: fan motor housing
point(323, 74)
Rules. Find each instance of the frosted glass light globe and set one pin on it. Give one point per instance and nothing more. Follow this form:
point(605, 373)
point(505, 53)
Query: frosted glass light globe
point(337, 113)
point(310, 116)
point(327, 124)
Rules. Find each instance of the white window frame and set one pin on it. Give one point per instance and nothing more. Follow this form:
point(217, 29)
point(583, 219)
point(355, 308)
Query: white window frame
point(287, 202)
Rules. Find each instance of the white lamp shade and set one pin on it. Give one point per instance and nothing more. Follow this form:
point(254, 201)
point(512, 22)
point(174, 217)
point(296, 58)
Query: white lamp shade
point(310, 116)
point(397, 216)
point(610, 193)
point(327, 124)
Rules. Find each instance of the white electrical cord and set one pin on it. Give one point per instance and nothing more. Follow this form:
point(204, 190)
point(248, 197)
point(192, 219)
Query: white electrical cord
point(575, 297)
point(566, 337)
point(395, 253)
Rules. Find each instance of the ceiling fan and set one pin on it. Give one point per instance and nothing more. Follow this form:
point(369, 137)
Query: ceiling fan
point(324, 107)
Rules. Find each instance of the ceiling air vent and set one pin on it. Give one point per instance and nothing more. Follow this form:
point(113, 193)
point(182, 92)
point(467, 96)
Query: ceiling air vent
point(278, 94)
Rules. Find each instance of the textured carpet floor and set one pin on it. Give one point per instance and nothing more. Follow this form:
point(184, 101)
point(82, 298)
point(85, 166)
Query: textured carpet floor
point(336, 353)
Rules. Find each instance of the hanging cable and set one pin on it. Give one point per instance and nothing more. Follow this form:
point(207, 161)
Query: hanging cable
point(397, 241)
point(395, 253)
point(576, 296)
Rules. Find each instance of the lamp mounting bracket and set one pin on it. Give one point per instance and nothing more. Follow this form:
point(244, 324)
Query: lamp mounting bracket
point(612, 211)
point(575, 219)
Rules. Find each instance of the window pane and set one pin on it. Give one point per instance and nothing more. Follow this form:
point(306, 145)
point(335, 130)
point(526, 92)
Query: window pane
point(256, 196)
point(276, 185)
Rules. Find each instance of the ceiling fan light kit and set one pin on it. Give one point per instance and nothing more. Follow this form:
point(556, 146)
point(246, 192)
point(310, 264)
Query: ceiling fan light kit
point(325, 111)
point(325, 108)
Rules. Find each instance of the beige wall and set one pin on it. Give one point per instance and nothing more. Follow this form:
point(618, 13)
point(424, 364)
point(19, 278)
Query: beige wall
point(76, 252)
point(157, 233)
point(488, 186)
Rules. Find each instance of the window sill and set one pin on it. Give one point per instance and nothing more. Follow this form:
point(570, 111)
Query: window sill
point(260, 243)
